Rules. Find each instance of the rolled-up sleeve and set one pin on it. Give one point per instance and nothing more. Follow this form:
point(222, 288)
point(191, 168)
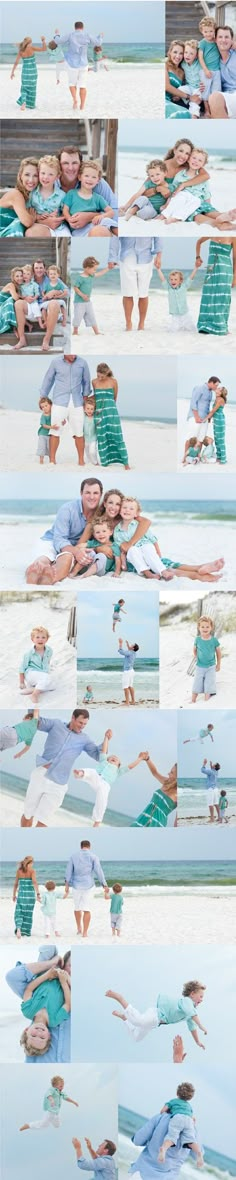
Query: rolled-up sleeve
point(86, 381)
point(91, 749)
point(62, 528)
point(48, 380)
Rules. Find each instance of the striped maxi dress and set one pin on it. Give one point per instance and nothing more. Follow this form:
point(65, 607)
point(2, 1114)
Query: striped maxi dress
point(219, 434)
point(25, 904)
point(111, 446)
point(157, 812)
point(175, 110)
point(29, 75)
point(7, 313)
point(216, 293)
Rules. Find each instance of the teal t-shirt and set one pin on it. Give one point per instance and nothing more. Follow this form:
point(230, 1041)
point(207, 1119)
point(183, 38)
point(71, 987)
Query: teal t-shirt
point(89, 429)
point(206, 651)
point(53, 1100)
point(26, 730)
point(193, 452)
point(177, 298)
point(47, 995)
point(210, 53)
point(45, 420)
point(85, 283)
point(157, 200)
point(109, 771)
point(77, 204)
point(172, 1011)
point(117, 902)
point(178, 1106)
point(223, 803)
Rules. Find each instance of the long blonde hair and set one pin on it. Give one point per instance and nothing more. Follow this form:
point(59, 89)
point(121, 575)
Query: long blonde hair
point(23, 164)
point(104, 370)
point(23, 44)
point(24, 864)
point(223, 393)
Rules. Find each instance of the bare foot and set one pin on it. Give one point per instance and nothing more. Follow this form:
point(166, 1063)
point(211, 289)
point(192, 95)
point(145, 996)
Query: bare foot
point(25, 1127)
point(213, 565)
point(129, 327)
point(119, 1014)
point(18, 933)
point(21, 344)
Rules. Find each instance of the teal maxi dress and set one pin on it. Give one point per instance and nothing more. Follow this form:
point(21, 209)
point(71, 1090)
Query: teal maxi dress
point(29, 77)
point(157, 812)
point(216, 293)
point(10, 226)
point(25, 903)
point(175, 110)
point(111, 446)
point(7, 313)
point(219, 434)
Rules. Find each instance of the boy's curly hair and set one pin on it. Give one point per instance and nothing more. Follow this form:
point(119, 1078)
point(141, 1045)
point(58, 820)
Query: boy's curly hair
point(185, 1091)
point(29, 1049)
point(193, 985)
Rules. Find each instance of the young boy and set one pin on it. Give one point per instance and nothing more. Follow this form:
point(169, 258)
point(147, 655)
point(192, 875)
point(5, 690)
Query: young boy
point(181, 1123)
point(110, 769)
point(90, 437)
point(52, 990)
point(116, 907)
point(83, 308)
point(88, 696)
point(34, 670)
point(223, 804)
point(102, 550)
point(195, 451)
point(52, 1105)
point(55, 290)
point(118, 607)
point(29, 291)
point(209, 59)
point(151, 197)
point(203, 733)
point(45, 405)
point(98, 59)
point(192, 73)
point(23, 731)
point(177, 286)
point(167, 1011)
point(85, 200)
point(208, 658)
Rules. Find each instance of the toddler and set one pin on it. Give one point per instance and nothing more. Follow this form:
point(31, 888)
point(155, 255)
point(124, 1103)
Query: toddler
point(23, 731)
point(181, 1123)
point(190, 192)
point(49, 907)
point(47, 197)
point(208, 657)
point(110, 769)
point(84, 199)
point(223, 804)
point(46, 1003)
point(51, 1104)
point(90, 437)
point(195, 451)
point(117, 610)
point(203, 733)
point(29, 291)
point(83, 308)
point(150, 198)
point(116, 907)
point(35, 665)
point(209, 60)
point(45, 405)
point(102, 550)
point(177, 286)
point(98, 59)
point(88, 696)
point(167, 1011)
point(56, 290)
point(144, 556)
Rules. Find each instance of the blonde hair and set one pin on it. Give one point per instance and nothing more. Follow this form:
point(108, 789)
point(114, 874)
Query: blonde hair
point(14, 271)
point(131, 500)
point(56, 1079)
point(193, 44)
point(98, 165)
point(24, 864)
point(52, 161)
point(22, 45)
point(90, 401)
point(53, 266)
point(205, 619)
point(193, 986)
point(171, 46)
point(89, 164)
point(223, 393)
point(98, 519)
point(156, 164)
point(47, 633)
point(105, 371)
point(24, 164)
point(29, 1049)
point(207, 21)
point(176, 272)
point(202, 151)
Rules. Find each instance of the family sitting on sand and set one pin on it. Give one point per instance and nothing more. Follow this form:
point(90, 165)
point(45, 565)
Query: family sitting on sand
point(176, 189)
point(33, 295)
point(44, 988)
point(201, 75)
point(75, 46)
point(200, 448)
point(97, 534)
point(44, 203)
point(68, 397)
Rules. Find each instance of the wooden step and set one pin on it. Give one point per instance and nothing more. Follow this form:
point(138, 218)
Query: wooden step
point(34, 340)
point(19, 251)
point(40, 138)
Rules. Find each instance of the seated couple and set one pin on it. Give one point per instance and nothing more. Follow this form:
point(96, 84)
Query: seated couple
point(98, 534)
point(26, 300)
point(183, 196)
point(38, 195)
point(201, 76)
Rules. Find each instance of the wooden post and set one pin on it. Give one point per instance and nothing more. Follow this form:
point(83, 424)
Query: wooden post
point(62, 257)
point(112, 130)
point(96, 139)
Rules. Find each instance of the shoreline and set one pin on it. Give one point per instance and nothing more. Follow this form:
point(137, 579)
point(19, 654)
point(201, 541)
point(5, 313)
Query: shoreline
point(124, 91)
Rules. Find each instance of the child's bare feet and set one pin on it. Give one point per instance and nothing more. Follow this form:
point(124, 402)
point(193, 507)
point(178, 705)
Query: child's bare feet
point(21, 344)
point(25, 1127)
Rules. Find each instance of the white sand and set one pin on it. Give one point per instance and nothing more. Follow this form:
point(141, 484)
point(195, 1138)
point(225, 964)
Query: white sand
point(17, 619)
point(180, 541)
point(131, 176)
point(176, 649)
point(187, 429)
point(156, 337)
point(202, 915)
point(11, 809)
point(125, 91)
point(18, 442)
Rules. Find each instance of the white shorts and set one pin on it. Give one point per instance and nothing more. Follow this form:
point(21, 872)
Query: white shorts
point(213, 796)
point(139, 1024)
point(230, 103)
point(33, 312)
point(43, 796)
point(83, 898)
point(181, 323)
point(43, 681)
point(74, 416)
point(181, 206)
point(128, 678)
point(135, 277)
point(102, 789)
point(77, 77)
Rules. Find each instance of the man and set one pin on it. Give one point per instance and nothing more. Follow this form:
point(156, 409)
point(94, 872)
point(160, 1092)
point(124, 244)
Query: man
point(67, 381)
point(75, 48)
point(103, 1163)
point(59, 546)
point(201, 403)
point(223, 105)
point(211, 773)
point(82, 870)
point(128, 670)
point(150, 1137)
point(70, 160)
point(137, 257)
point(49, 781)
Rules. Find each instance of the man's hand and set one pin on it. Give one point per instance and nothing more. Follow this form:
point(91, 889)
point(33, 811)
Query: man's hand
point(76, 220)
point(144, 755)
point(178, 1050)
point(77, 1146)
point(108, 734)
point(88, 1141)
point(83, 555)
point(204, 761)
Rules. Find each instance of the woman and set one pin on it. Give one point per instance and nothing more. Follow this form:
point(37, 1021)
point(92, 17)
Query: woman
point(220, 277)
point(29, 75)
point(24, 890)
point(15, 218)
point(161, 811)
point(217, 415)
point(174, 76)
point(111, 446)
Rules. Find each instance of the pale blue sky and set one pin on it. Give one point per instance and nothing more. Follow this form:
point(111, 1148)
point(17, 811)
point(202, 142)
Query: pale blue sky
point(203, 369)
point(139, 625)
point(96, 1033)
point(128, 844)
point(178, 252)
point(66, 485)
point(222, 749)
point(146, 389)
point(163, 135)
point(156, 732)
point(94, 1087)
point(144, 1089)
point(130, 26)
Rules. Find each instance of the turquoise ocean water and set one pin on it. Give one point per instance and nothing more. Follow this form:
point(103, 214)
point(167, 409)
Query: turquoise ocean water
point(216, 1164)
point(142, 875)
point(118, 51)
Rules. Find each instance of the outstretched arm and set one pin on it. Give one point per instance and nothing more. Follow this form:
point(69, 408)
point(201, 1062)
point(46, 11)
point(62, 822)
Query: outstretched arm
point(91, 1149)
point(195, 1036)
point(141, 193)
point(73, 1103)
point(107, 738)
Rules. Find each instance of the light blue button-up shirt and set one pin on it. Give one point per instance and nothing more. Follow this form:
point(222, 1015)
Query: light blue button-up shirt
point(103, 1166)
point(212, 776)
point(150, 1137)
point(82, 870)
point(200, 400)
point(33, 659)
point(62, 747)
point(145, 249)
point(69, 525)
point(75, 47)
point(228, 72)
point(128, 657)
point(65, 379)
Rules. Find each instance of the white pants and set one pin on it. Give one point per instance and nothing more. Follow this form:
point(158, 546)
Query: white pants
point(102, 791)
point(74, 415)
point(49, 924)
point(60, 66)
point(181, 323)
point(139, 1024)
point(213, 796)
point(144, 557)
point(39, 680)
point(43, 796)
point(194, 107)
point(128, 678)
point(43, 1123)
point(230, 103)
point(181, 206)
point(135, 277)
point(91, 452)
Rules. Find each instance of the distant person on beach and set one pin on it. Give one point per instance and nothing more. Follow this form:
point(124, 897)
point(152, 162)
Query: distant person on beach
point(29, 73)
point(82, 871)
point(25, 891)
point(88, 696)
point(102, 1158)
point(101, 780)
point(200, 737)
point(181, 1123)
point(34, 674)
point(117, 610)
point(99, 60)
point(116, 908)
point(128, 669)
point(22, 731)
point(51, 1105)
point(167, 1011)
point(208, 659)
point(223, 804)
point(75, 48)
point(211, 774)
